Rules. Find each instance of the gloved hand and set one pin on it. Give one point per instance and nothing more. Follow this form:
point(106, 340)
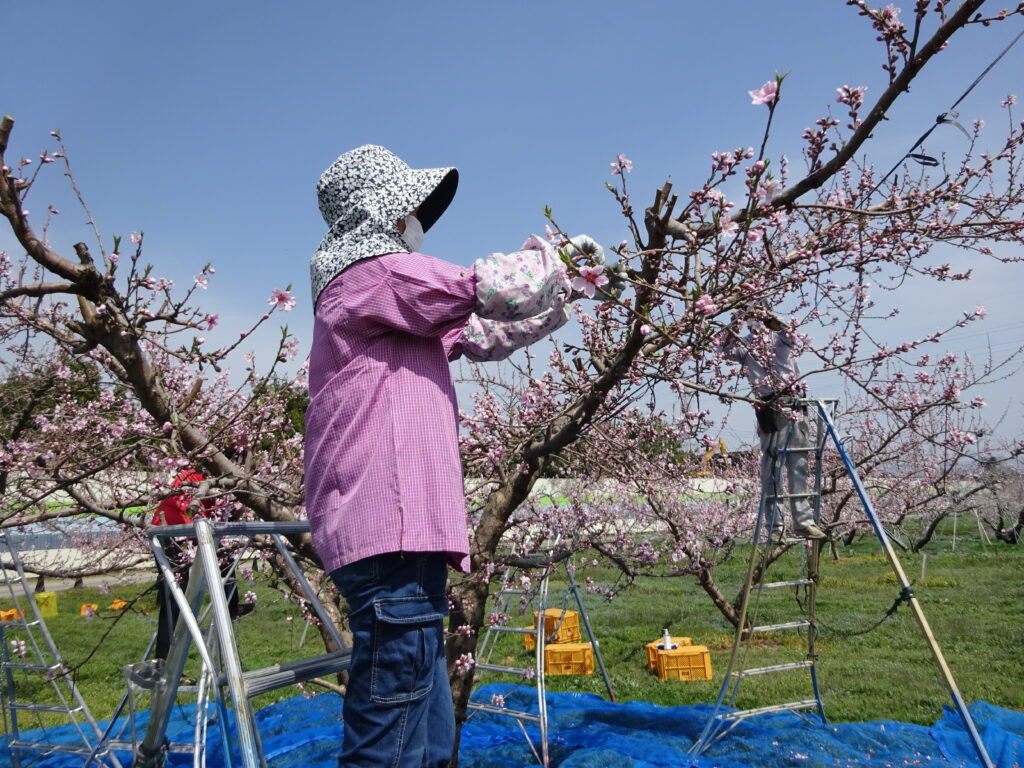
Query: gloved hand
point(588, 255)
point(584, 248)
point(617, 280)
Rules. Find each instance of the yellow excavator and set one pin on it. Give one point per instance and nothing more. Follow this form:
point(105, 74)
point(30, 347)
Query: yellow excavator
point(715, 458)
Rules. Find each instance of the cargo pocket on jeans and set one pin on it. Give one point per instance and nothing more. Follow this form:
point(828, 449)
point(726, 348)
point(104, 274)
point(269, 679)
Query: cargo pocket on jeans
point(406, 644)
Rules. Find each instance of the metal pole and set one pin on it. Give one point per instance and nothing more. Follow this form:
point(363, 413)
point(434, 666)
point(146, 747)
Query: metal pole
point(542, 696)
point(150, 752)
point(813, 571)
point(713, 727)
point(244, 721)
point(813, 553)
point(11, 728)
point(314, 602)
point(575, 589)
point(905, 584)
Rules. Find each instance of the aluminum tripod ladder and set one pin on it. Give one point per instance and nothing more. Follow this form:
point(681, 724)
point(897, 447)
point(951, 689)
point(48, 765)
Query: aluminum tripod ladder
point(718, 724)
point(515, 599)
point(32, 666)
point(757, 593)
point(222, 678)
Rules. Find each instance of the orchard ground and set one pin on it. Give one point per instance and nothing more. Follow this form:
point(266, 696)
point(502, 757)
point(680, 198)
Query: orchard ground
point(971, 593)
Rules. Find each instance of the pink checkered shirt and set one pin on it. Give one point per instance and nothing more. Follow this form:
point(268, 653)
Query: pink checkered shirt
point(382, 455)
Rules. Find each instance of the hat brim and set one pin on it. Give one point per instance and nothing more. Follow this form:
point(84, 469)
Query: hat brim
point(437, 202)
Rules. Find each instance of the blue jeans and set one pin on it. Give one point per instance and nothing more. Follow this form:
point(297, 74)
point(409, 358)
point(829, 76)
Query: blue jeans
point(794, 439)
point(398, 706)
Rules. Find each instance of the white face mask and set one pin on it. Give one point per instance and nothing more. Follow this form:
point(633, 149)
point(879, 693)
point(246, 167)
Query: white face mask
point(413, 235)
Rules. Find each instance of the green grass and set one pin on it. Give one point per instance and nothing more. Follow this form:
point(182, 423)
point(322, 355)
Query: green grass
point(973, 599)
point(98, 649)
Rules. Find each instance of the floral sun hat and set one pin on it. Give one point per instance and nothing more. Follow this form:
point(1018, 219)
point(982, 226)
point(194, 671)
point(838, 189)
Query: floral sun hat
point(362, 196)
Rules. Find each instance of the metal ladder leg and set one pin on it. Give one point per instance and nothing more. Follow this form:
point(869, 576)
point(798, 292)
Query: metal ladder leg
point(575, 589)
point(894, 563)
point(489, 643)
point(150, 753)
point(719, 723)
point(508, 591)
point(211, 632)
point(39, 658)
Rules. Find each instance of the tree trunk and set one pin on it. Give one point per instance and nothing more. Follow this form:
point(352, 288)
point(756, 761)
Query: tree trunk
point(928, 532)
point(1011, 535)
point(469, 608)
point(728, 609)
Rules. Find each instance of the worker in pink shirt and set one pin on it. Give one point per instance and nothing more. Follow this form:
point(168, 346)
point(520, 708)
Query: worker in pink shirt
point(384, 487)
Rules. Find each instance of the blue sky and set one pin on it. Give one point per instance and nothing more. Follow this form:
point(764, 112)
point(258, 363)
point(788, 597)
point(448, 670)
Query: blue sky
point(207, 124)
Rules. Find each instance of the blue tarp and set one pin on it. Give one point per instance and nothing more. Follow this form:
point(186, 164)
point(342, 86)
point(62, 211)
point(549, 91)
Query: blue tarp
point(588, 732)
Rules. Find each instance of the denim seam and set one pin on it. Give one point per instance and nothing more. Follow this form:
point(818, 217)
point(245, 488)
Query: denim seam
point(400, 741)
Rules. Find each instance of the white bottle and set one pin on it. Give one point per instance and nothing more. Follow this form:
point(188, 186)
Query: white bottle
point(666, 643)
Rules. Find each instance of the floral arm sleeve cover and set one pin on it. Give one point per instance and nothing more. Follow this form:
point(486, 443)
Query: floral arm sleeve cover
point(520, 285)
point(488, 340)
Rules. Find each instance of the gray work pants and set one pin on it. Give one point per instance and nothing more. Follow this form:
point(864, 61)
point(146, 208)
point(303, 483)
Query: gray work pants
point(776, 446)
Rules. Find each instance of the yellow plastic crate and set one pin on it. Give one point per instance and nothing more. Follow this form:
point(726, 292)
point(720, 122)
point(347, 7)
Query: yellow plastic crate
point(691, 662)
point(569, 659)
point(530, 641)
point(652, 649)
point(568, 629)
point(47, 603)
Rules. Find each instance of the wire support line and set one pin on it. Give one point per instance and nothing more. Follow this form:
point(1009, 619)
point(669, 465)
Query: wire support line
point(944, 118)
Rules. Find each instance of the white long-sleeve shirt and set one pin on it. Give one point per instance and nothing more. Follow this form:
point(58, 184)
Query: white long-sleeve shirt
point(768, 359)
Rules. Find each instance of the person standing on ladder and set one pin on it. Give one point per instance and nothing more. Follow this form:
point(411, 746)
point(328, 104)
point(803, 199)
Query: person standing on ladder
point(768, 355)
point(384, 487)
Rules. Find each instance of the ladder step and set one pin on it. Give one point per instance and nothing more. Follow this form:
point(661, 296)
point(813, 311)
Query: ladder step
point(790, 707)
point(783, 496)
point(174, 747)
point(774, 668)
point(799, 624)
point(45, 746)
point(278, 676)
point(791, 583)
point(483, 667)
point(43, 708)
point(504, 711)
point(20, 624)
point(31, 667)
point(516, 630)
point(12, 580)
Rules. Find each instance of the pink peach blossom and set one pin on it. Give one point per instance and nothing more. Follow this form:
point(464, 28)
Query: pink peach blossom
point(282, 300)
point(622, 164)
point(589, 280)
point(766, 94)
point(706, 305)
